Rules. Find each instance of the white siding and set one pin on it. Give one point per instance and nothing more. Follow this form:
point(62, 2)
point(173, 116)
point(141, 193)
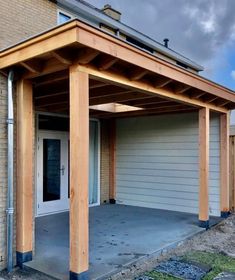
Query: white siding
point(157, 162)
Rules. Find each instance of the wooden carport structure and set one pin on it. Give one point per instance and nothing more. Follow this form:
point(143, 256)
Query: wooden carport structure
point(82, 71)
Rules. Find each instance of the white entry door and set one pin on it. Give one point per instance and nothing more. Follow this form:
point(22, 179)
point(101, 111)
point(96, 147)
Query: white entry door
point(52, 172)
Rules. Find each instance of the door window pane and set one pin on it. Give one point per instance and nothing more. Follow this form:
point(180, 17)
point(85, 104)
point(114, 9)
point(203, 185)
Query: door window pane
point(51, 169)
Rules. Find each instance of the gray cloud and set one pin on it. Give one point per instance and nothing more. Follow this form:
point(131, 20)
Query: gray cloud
point(198, 29)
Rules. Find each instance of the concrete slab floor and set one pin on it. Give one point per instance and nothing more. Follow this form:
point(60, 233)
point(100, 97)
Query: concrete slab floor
point(118, 235)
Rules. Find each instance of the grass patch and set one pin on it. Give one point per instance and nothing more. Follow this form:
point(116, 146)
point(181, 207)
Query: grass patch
point(217, 262)
point(161, 276)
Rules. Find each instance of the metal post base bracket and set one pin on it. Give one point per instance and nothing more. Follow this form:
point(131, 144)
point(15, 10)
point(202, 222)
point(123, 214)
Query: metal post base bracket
point(204, 224)
point(78, 276)
point(23, 257)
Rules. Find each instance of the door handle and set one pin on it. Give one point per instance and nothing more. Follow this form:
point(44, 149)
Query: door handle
point(62, 170)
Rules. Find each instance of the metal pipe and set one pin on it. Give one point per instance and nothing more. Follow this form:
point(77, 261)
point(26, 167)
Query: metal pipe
point(10, 192)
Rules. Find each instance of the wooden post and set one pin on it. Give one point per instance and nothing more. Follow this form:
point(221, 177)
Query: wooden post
point(112, 161)
point(24, 193)
point(79, 166)
point(204, 121)
point(224, 165)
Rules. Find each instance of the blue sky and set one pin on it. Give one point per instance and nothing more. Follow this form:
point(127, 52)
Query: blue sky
point(202, 30)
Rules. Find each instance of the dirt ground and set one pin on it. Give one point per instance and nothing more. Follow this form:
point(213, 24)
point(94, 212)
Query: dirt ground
point(218, 239)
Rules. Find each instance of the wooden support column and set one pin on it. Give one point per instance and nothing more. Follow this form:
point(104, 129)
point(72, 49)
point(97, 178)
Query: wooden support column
point(24, 193)
point(204, 124)
point(112, 161)
point(224, 165)
point(79, 168)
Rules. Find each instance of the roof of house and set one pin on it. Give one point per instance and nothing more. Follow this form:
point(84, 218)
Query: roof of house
point(94, 16)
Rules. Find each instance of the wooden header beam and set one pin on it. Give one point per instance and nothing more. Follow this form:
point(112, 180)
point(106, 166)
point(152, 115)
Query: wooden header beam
point(77, 33)
point(114, 78)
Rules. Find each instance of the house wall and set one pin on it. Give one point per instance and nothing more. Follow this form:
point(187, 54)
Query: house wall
point(18, 21)
point(157, 162)
point(22, 19)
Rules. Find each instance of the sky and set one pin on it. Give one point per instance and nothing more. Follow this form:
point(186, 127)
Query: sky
point(202, 30)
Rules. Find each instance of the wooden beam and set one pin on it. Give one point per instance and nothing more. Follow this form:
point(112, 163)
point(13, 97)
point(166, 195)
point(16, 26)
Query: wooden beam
point(196, 94)
point(62, 56)
point(204, 124)
point(86, 55)
point(106, 62)
point(34, 66)
point(120, 97)
point(117, 78)
point(24, 191)
point(51, 78)
point(137, 73)
point(79, 169)
point(211, 99)
point(181, 88)
point(161, 82)
point(50, 66)
point(224, 164)
point(222, 103)
point(112, 161)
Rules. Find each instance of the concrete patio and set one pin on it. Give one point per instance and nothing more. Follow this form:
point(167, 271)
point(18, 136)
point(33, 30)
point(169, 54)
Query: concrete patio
point(118, 235)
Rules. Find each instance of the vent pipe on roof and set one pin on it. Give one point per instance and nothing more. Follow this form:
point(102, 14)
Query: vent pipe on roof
point(166, 41)
point(109, 11)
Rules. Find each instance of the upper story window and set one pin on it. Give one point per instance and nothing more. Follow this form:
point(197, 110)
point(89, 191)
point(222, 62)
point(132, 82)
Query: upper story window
point(63, 17)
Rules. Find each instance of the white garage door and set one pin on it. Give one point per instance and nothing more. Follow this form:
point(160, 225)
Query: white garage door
point(157, 162)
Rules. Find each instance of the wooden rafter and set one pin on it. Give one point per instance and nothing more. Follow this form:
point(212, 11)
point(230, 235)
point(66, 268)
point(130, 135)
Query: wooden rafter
point(86, 55)
point(161, 82)
point(106, 62)
point(196, 94)
point(62, 56)
point(51, 78)
point(34, 66)
point(181, 88)
point(137, 73)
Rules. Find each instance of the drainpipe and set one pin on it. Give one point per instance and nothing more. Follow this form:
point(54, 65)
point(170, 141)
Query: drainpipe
point(10, 194)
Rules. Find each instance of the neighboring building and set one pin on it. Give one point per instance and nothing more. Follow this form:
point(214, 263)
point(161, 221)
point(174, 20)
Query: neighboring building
point(144, 129)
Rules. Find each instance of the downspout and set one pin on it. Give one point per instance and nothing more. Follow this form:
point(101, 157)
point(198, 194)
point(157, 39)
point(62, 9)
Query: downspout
point(10, 191)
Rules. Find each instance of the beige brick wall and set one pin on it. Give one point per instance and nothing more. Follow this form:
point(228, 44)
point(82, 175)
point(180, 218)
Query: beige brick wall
point(20, 19)
point(104, 162)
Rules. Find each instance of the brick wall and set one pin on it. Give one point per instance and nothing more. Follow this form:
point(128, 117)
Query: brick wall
point(20, 19)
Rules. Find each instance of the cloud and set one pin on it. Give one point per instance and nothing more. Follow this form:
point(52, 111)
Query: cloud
point(233, 74)
point(198, 29)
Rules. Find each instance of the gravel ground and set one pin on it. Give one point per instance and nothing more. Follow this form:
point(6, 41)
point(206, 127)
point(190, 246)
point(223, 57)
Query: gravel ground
point(218, 239)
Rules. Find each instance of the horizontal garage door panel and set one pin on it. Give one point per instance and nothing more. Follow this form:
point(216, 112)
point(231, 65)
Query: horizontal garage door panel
point(157, 162)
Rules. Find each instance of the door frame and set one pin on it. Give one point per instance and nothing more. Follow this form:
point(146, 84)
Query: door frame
point(49, 134)
point(37, 113)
